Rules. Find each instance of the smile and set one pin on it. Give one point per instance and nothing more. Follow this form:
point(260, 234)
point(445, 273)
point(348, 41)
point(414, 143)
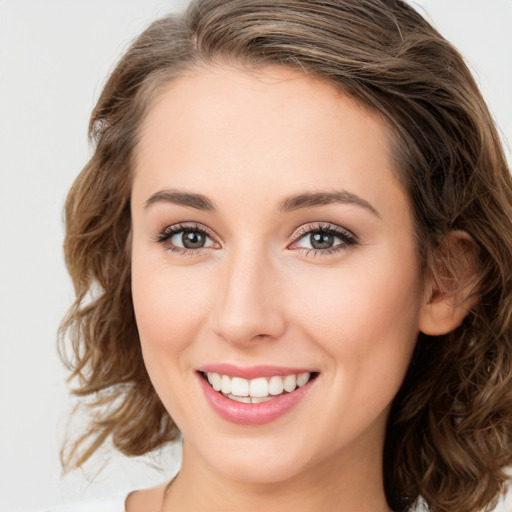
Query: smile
point(261, 389)
point(254, 396)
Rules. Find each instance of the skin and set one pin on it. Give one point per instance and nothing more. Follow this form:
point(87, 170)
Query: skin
point(257, 294)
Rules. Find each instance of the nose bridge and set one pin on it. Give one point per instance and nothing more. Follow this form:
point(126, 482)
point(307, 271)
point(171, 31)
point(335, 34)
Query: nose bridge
point(248, 305)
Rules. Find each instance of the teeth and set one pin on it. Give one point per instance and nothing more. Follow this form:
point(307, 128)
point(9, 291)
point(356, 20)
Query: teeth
point(258, 387)
point(239, 387)
point(275, 386)
point(225, 384)
point(290, 383)
point(243, 399)
point(257, 400)
point(215, 380)
point(302, 379)
point(256, 390)
point(249, 400)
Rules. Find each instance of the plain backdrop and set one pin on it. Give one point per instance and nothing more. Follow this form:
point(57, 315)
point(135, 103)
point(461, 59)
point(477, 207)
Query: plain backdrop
point(54, 57)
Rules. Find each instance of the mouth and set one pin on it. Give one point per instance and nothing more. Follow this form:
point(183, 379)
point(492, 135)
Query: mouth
point(257, 390)
point(255, 395)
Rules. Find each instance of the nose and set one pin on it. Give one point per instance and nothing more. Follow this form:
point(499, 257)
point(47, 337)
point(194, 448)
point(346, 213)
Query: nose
point(248, 304)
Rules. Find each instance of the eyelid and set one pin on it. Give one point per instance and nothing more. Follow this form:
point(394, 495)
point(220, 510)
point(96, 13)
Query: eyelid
point(347, 237)
point(323, 226)
point(164, 235)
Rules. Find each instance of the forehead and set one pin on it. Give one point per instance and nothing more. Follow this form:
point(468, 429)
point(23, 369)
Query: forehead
point(232, 95)
point(250, 132)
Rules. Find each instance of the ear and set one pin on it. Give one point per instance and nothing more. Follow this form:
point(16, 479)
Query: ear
point(450, 292)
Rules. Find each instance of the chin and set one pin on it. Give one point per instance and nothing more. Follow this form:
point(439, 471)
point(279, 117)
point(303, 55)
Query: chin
point(273, 471)
point(258, 460)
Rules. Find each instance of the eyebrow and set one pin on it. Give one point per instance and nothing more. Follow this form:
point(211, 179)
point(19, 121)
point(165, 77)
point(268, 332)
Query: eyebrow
point(197, 201)
point(296, 202)
point(310, 200)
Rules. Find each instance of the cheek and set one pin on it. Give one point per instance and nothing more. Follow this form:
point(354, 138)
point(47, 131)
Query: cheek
point(365, 319)
point(360, 304)
point(169, 305)
point(168, 308)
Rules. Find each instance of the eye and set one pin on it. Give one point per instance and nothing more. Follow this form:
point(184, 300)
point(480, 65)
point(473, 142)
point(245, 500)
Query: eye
point(319, 240)
point(180, 238)
point(189, 239)
point(323, 238)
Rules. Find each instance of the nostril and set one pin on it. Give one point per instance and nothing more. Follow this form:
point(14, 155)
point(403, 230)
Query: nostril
point(260, 336)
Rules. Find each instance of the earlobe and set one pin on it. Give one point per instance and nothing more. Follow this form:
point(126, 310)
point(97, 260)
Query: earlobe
point(451, 291)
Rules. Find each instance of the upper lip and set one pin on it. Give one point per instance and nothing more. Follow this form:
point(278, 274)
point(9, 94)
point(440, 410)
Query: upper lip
point(251, 372)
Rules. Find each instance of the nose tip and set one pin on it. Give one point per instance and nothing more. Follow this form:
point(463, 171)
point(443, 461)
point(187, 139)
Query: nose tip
point(242, 331)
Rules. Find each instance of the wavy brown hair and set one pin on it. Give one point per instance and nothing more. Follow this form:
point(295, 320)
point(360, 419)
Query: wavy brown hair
point(449, 434)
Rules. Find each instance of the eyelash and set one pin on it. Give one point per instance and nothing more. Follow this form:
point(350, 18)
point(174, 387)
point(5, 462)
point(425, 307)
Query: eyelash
point(165, 236)
point(347, 238)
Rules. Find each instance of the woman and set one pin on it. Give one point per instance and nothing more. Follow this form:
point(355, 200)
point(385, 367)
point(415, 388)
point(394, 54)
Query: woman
point(292, 246)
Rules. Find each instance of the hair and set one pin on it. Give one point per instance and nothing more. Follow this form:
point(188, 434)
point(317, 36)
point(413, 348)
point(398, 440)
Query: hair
point(449, 433)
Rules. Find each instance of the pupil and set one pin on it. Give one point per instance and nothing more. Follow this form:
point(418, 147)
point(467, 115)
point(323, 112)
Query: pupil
point(321, 240)
point(192, 239)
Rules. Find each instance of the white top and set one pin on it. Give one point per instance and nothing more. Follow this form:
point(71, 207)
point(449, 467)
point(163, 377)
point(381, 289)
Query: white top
point(115, 504)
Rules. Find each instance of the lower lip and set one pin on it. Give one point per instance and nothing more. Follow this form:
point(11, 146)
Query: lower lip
point(252, 414)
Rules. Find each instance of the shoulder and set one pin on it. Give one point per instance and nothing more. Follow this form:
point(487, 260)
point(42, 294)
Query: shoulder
point(147, 500)
point(116, 504)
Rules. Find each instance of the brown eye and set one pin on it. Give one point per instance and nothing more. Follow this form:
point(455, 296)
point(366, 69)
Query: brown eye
point(193, 239)
point(321, 240)
point(324, 239)
point(186, 238)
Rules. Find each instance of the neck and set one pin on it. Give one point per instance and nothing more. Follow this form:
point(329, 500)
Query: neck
point(341, 483)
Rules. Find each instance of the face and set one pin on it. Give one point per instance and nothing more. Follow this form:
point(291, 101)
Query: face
point(273, 254)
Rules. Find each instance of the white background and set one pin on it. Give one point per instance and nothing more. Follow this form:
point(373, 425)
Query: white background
point(54, 57)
